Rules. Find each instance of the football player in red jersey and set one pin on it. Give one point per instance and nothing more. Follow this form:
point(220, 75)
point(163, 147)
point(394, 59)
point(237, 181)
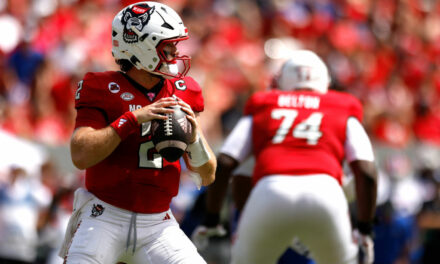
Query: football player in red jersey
point(124, 214)
point(300, 134)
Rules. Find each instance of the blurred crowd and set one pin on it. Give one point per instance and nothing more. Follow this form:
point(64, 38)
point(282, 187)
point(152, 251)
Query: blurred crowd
point(385, 52)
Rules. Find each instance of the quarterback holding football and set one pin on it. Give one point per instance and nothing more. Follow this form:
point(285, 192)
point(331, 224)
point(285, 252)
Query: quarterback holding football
point(124, 214)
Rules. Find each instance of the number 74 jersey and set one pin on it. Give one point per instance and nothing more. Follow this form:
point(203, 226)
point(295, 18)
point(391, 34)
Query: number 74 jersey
point(300, 132)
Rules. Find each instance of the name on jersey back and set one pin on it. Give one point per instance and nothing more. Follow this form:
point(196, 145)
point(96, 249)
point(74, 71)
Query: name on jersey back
point(299, 101)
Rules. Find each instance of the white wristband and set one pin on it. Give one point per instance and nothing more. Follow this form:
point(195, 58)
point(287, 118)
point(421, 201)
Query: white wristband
point(197, 153)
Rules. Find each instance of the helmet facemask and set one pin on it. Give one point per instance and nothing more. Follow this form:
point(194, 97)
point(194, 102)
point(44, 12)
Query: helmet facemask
point(175, 67)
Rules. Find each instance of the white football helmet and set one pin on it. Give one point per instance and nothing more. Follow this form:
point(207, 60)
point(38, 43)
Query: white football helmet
point(140, 32)
point(304, 70)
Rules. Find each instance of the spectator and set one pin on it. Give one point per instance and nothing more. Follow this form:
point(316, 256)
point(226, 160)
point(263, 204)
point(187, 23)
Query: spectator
point(22, 199)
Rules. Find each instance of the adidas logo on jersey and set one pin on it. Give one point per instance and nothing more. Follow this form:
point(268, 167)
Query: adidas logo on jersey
point(121, 122)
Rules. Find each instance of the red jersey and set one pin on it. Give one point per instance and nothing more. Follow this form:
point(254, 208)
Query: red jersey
point(300, 132)
point(134, 177)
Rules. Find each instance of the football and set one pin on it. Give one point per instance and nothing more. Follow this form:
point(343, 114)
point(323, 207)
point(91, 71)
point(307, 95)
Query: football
point(172, 135)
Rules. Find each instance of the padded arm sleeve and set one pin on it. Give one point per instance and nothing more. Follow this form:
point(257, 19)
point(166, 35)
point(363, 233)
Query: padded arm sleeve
point(357, 143)
point(238, 144)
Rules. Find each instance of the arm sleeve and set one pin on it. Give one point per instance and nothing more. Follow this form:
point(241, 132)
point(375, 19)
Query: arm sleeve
point(89, 93)
point(357, 143)
point(238, 144)
point(89, 104)
point(90, 117)
point(356, 108)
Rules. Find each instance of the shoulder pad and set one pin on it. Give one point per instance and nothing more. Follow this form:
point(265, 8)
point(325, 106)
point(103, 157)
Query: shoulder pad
point(92, 89)
point(350, 102)
point(190, 91)
point(257, 99)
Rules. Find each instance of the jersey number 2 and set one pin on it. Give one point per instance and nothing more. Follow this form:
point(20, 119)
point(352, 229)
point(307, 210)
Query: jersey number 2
point(307, 129)
point(145, 150)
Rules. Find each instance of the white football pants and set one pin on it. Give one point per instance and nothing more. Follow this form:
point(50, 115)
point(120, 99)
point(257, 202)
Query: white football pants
point(312, 208)
point(106, 234)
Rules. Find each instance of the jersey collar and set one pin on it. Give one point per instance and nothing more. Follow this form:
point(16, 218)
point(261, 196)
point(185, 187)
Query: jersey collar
point(152, 93)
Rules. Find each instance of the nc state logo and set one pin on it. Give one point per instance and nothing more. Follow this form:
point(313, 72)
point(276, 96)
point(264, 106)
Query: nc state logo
point(114, 87)
point(97, 210)
point(138, 16)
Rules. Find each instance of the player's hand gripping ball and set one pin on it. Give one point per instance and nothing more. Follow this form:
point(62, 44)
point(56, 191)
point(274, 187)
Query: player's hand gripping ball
point(172, 135)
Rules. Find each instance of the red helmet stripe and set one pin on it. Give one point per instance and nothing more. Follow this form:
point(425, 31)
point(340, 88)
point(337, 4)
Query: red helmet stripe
point(140, 10)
